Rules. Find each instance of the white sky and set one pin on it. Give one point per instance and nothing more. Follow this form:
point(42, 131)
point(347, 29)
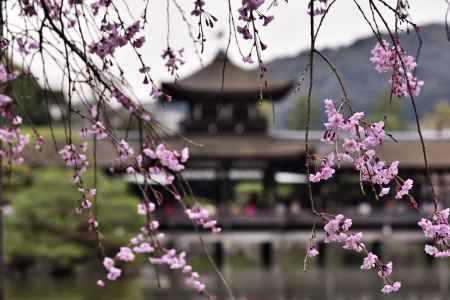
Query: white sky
point(287, 35)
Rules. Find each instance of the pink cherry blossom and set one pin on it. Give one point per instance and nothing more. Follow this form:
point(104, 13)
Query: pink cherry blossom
point(114, 273)
point(174, 60)
point(337, 230)
point(312, 251)
point(389, 288)
point(200, 216)
point(125, 254)
point(404, 190)
point(360, 142)
point(369, 261)
point(393, 59)
point(143, 248)
point(177, 262)
point(124, 150)
point(108, 262)
point(101, 283)
point(437, 229)
point(145, 208)
point(320, 7)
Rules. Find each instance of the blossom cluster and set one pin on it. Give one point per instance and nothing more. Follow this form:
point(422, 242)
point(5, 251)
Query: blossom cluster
point(394, 59)
point(437, 229)
point(337, 230)
point(139, 243)
point(113, 272)
point(147, 241)
point(99, 4)
point(319, 7)
point(124, 150)
point(248, 13)
point(53, 9)
point(359, 148)
point(11, 137)
point(198, 8)
point(312, 251)
point(113, 38)
point(97, 129)
point(200, 217)
point(162, 162)
point(171, 159)
point(200, 12)
point(174, 59)
point(26, 45)
point(76, 158)
point(156, 164)
point(87, 199)
point(177, 261)
point(158, 160)
point(402, 9)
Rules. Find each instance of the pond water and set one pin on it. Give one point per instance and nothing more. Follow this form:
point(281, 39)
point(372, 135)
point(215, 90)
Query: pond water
point(349, 283)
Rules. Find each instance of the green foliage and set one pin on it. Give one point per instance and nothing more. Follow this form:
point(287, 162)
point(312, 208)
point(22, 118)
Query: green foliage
point(244, 190)
point(285, 190)
point(45, 131)
point(389, 110)
point(30, 96)
point(298, 114)
point(266, 109)
point(45, 228)
point(439, 119)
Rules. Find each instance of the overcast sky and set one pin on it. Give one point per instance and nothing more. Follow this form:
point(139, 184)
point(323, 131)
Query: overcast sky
point(286, 35)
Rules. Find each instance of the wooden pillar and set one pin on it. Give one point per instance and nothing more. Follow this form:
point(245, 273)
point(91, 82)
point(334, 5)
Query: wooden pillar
point(269, 181)
point(322, 254)
point(224, 183)
point(267, 255)
point(219, 254)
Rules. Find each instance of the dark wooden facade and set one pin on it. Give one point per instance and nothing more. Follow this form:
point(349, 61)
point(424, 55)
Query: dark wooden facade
point(224, 119)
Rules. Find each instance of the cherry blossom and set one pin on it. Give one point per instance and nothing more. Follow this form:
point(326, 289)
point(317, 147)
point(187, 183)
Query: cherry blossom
point(125, 254)
point(113, 272)
point(405, 188)
point(144, 208)
point(249, 13)
point(169, 159)
point(393, 59)
point(177, 261)
point(369, 261)
point(320, 7)
point(143, 248)
point(438, 229)
point(200, 216)
point(359, 147)
point(114, 36)
point(174, 60)
point(76, 158)
point(337, 230)
point(312, 251)
point(389, 288)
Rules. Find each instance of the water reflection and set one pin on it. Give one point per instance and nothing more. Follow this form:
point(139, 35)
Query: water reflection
point(420, 283)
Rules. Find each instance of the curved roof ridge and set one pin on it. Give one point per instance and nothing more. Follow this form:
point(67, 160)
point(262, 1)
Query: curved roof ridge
point(221, 70)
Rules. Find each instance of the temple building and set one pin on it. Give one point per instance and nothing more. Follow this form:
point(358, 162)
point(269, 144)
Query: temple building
point(230, 136)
